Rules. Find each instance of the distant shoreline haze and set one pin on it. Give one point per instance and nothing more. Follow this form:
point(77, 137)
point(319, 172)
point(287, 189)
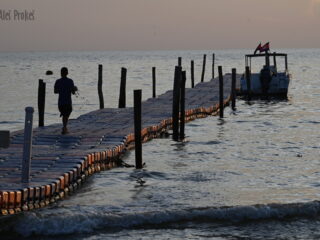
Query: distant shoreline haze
point(103, 25)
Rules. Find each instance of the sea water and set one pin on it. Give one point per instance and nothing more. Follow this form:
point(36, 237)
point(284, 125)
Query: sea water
point(253, 175)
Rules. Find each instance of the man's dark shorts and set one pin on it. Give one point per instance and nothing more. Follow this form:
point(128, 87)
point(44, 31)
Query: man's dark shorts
point(65, 110)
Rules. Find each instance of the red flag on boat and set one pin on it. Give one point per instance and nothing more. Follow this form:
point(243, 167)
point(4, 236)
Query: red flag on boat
point(257, 49)
point(264, 48)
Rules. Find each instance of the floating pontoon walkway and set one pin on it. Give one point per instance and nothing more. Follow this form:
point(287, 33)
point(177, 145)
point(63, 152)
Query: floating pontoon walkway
point(61, 163)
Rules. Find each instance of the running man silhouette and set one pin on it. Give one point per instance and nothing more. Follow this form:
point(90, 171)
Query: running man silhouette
point(64, 87)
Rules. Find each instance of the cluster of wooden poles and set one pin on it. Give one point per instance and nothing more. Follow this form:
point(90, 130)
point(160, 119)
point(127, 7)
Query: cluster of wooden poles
point(106, 159)
point(123, 79)
point(178, 105)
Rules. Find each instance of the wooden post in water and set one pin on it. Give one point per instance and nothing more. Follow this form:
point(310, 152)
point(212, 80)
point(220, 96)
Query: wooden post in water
point(179, 61)
point(233, 89)
point(27, 145)
point(248, 79)
point(122, 96)
point(100, 93)
point(154, 82)
point(203, 67)
point(137, 127)
point(41, 101)
point(4, 139)
point(221, 107)
point(176, 103)
point(213, 60)
point(182, 104)
point(192, 74)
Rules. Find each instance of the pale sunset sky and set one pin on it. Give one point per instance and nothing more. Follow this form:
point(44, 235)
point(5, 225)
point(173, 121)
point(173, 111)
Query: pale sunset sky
point(73, 25)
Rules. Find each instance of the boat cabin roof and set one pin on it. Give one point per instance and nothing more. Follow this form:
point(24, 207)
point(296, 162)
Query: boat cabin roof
point(267, 56)
point(264, 54)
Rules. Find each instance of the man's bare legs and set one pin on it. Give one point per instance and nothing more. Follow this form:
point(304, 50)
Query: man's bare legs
point(65, 120)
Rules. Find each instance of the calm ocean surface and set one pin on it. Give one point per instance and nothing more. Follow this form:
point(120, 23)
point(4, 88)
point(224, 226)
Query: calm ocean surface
point(253, 175)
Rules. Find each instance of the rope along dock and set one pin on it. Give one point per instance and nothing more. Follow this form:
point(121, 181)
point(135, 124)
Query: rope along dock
point(61, 163)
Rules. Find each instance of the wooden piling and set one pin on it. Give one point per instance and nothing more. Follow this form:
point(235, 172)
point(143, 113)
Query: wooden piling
point(137, 127)
point(213, 62)
point(179, 61)
point(4, 139)
point(41, 101)
point(182, 104)
point(176, 103)
point(122, 95)
point(221, 107)
point(192, 74)
point(27, 145)
point(100, 93)
point(248, 80)
point(203, 67)
point(154, 82)
point(233, 89)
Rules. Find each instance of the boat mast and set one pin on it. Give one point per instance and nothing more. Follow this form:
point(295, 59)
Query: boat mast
point(275, 61)
point(267, 60)
point(286, 62)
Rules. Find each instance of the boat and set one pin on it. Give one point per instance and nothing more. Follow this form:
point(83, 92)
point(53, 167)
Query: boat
point(271, 80)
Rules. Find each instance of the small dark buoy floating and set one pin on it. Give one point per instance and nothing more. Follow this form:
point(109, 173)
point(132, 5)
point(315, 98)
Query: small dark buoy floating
point(49, 72)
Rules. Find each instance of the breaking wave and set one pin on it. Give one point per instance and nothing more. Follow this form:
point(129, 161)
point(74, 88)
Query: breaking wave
point(61, 221)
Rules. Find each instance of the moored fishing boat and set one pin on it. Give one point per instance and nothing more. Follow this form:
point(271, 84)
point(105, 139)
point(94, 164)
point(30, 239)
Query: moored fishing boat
point(272, 79)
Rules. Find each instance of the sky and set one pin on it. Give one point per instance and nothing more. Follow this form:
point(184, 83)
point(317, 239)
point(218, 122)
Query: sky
point(86, 25)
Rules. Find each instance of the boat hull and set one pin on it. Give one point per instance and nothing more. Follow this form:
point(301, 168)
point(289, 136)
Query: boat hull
point(278, 85)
